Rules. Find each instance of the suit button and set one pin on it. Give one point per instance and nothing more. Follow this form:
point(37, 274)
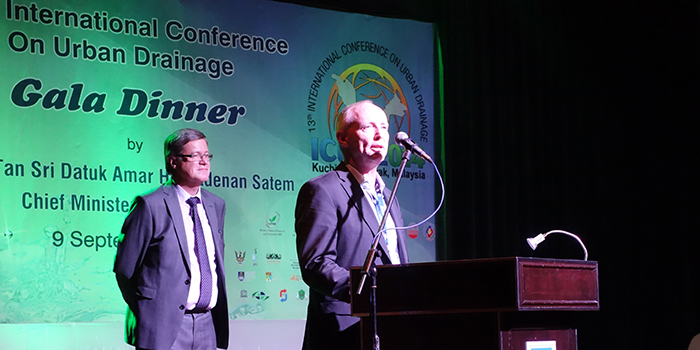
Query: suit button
point(182, 307)
point(187, 282)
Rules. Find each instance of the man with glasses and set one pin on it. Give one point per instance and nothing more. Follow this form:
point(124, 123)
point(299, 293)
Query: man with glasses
point(170, 257)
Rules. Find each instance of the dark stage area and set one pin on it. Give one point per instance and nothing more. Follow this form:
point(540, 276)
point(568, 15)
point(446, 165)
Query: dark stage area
point(578, 116)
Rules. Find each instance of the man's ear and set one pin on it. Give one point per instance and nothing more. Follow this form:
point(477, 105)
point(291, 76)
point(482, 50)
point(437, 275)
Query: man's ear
point(172, 162)
point(342, 138)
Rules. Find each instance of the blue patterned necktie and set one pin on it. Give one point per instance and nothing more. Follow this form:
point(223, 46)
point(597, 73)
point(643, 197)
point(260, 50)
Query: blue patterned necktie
point(200, 250)
point(380, 206)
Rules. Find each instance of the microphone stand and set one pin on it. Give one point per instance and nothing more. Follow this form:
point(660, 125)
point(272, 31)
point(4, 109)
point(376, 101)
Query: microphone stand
point(369, 267)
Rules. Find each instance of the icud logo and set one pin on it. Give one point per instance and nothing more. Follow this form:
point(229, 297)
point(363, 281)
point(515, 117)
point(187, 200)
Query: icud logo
point(361, 82)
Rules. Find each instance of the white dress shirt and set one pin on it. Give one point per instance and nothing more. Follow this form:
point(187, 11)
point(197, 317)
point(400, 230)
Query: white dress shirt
point(195, 279)
point(368, 183)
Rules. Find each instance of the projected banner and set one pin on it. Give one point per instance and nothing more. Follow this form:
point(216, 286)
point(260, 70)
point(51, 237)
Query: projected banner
point(91, 89)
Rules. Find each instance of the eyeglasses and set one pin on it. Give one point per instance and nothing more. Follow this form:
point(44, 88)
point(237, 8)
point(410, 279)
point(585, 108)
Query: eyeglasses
point(206, 157)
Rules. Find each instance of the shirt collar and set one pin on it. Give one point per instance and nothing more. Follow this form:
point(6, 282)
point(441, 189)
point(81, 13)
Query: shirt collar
point(183, 196)
point(369, 179)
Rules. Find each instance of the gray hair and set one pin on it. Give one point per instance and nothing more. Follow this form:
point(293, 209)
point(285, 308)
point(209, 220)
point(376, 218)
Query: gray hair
point(176, 141)
point(349, 115)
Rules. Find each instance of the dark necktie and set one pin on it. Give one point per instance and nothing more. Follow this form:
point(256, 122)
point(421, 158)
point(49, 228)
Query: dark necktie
point(200, 250)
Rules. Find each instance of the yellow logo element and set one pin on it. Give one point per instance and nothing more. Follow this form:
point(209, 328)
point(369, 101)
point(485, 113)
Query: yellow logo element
point(368, 82)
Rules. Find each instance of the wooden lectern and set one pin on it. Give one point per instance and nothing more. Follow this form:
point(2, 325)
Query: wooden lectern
point(485, 304)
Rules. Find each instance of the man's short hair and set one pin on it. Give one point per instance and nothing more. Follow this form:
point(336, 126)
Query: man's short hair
point(176, 141)
point(350, 113)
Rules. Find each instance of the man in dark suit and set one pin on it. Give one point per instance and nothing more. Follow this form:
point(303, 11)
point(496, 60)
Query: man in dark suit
point(337, 215)
point(170, 257)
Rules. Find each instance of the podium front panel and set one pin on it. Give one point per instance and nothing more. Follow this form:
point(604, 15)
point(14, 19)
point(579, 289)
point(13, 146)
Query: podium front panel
point(479, 285)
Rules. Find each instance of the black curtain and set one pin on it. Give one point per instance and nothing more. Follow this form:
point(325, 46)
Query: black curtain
point(583, 117)
point(580, 116)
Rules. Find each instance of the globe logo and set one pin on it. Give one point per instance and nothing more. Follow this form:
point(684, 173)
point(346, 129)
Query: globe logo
point(366, 81)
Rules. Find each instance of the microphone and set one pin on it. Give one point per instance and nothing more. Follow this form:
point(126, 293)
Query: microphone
point(402, 139)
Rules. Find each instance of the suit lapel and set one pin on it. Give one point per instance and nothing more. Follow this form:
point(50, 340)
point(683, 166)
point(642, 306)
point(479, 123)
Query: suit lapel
point(210, 209)
point(173, 206)
point(357, 197)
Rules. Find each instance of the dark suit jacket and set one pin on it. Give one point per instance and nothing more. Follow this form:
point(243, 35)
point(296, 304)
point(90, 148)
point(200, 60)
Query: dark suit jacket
point(152, 268)
point(335, 226)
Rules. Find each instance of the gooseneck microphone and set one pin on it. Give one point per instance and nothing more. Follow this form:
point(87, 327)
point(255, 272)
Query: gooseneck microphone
point(402, 139)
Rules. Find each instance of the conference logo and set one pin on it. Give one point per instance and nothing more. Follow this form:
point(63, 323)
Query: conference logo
point(260, 295)
point(240, 257)
point(283, 295)
point(272, 225)
point(412, 232)
point(272, 219)
point(368, 82)
point(273, 258)
point(334, 87)
point(429, 233)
